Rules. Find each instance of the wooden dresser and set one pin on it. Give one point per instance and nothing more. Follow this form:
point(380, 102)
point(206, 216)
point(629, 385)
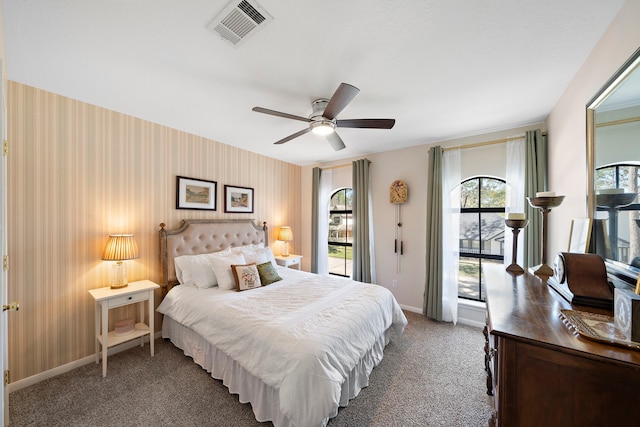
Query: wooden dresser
point(540, 373)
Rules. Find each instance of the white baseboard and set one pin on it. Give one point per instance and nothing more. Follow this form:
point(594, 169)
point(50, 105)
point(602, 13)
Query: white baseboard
point(26, 382)
point(472, 313)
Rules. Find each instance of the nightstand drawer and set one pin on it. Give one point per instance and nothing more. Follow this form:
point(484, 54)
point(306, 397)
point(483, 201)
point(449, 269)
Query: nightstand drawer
point(127, 299)
point(289, 261)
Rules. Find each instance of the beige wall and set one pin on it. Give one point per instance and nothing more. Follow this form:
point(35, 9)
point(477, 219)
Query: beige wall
point(567, 122)
point(411, 165)
point(78, 173)
point(567, 162)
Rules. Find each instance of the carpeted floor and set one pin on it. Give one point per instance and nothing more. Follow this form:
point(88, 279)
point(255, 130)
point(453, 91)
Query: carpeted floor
point(432, 375)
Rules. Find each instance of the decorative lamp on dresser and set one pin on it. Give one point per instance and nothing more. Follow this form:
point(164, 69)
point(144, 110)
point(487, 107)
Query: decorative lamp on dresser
point(540, 372)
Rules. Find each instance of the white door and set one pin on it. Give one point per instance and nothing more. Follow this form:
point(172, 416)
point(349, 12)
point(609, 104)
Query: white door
point(4, 354)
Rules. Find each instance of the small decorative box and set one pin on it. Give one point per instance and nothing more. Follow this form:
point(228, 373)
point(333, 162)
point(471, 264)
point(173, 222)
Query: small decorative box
point(125, 326)
point(627, 313)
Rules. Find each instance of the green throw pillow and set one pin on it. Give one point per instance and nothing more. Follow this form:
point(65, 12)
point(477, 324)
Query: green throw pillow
point(268, 273)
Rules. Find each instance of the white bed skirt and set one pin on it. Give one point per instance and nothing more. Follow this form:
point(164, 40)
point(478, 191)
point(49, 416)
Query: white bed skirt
point(264, 399)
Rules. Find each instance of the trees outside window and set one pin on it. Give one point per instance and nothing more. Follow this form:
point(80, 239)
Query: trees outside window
point(341, 232)
point(482, 207)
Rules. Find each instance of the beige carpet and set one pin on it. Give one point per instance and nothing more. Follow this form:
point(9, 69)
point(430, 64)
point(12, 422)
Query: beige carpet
point(432, 375)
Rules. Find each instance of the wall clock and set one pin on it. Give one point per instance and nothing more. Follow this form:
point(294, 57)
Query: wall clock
point(398, 194)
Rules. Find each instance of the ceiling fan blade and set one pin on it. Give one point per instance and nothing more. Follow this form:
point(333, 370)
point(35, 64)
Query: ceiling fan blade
point(280, 114)
point(366, 123)
point(340, 99)
point(295, 135)
point(335, 141)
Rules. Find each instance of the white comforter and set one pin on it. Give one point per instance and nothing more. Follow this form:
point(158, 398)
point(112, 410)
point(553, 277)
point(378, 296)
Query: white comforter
point(301, 335)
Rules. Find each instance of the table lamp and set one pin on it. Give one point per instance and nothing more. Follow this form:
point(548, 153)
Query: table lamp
point(120, 247)
point(285, 235)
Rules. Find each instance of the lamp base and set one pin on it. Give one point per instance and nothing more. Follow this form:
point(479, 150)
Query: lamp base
point(119, 275)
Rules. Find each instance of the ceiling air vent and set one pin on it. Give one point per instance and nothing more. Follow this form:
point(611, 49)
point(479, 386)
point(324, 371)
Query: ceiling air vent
point(239, 20)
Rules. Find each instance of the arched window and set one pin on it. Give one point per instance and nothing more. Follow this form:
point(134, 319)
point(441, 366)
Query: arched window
point(482, 202)
point(340, 232)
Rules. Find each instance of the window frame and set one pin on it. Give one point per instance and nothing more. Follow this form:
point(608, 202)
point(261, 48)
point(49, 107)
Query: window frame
point(349, 214)
point(479, 255)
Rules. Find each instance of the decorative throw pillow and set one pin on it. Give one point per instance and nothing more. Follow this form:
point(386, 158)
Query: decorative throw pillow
point(222, 269)
point(268, 273)
point(246, 276)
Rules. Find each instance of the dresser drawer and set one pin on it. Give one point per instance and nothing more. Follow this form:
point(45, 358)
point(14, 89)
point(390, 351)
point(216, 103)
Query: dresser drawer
point(127, 299)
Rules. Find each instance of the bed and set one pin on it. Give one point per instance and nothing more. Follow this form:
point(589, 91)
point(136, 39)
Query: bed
point(297, 348)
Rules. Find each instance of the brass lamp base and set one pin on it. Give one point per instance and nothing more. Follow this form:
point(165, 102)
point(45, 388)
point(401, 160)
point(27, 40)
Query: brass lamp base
point(119, 286)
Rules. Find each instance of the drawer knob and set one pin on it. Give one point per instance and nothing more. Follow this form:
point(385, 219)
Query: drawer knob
point(130, 298)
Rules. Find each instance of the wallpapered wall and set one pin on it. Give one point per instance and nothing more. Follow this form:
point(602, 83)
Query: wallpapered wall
point(78, 173)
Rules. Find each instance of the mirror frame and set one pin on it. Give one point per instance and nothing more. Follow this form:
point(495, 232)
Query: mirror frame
point(618, 269)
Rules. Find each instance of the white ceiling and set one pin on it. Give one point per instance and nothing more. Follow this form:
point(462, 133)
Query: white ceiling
point(441, 68)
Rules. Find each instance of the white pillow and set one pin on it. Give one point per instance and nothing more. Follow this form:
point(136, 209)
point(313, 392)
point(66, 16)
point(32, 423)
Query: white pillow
point(221, 267)
point(257, 253)
point(196, 269)
point(270, 256)
point(247, 248)
point(259, 256)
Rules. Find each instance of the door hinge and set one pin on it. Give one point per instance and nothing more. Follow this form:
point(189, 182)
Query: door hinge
point(6, 377)
point(5, 148)
point(5, 262)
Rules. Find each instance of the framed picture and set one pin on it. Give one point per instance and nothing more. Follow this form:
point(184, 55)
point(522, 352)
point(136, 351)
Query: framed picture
point(579, 235)
point(195, 194)
point(238, 199)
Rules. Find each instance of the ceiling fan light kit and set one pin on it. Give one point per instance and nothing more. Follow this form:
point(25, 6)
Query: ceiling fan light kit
point(323, 127)
point(322, 120)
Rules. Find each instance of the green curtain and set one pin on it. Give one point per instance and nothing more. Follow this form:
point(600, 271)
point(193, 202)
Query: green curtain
point(315, 194)
point(433, 287)
point(363, 267)
point(535, 180)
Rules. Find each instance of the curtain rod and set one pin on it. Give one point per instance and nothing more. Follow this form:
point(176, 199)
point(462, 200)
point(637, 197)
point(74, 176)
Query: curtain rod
point(340, 166)
point(618, 122)
point(481, 144)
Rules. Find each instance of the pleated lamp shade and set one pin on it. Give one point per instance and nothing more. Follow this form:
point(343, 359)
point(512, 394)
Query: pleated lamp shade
point(119, 248)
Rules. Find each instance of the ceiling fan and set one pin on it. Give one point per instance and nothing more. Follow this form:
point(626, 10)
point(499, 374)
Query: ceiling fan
point(323, 121)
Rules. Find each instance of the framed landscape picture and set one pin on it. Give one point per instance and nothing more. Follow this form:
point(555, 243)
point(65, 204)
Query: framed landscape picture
point(238, 199)
point(194, 193)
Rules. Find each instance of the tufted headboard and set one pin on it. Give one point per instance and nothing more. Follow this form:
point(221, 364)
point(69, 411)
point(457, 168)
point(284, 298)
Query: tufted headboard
point(200, 236)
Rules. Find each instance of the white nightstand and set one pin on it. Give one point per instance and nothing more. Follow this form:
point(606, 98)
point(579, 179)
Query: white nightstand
point(107, 298)
point(288, 261)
